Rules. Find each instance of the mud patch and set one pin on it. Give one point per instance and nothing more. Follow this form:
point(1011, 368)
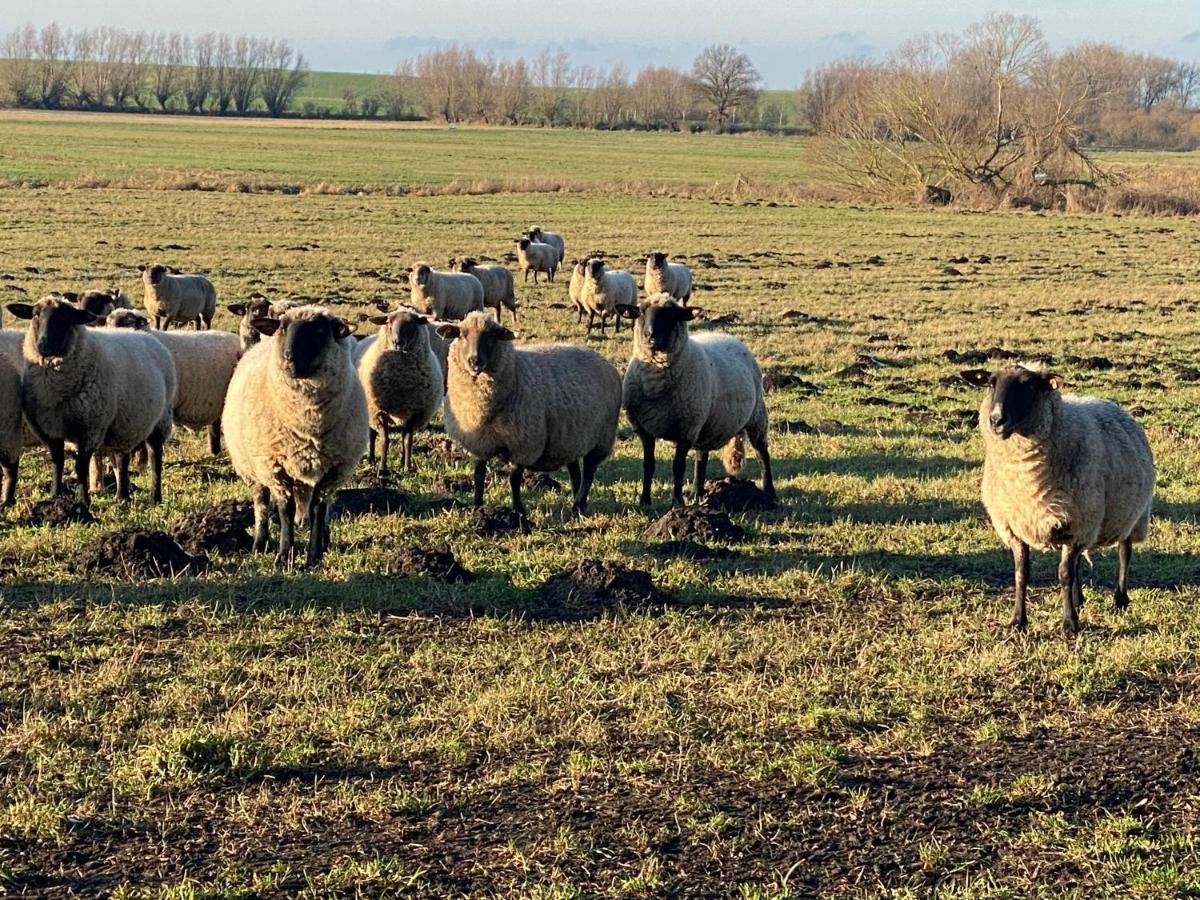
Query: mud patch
point(696, 523)
point(353, 502)
point(595, 586)
point(61, 510)
point(134, 555)
point(689, 550)
point(774, 380)
point(978, 357)
point(490, 521)
point(437, 563)
point(224, 528)
point(736, 495)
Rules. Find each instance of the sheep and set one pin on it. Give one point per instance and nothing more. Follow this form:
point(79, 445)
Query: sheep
point(538, 236)
point(257, 307)
point(171, 297)
point(539, 407)
point(575, 289)
point(402, 379)
point(204, 364)
point(606, 292)
point(107, 392)
point(703, 391)
point(447, 295)
point(101, 302)
point(295, 424)
point(12, 426)
point(664, 277)
point(1061, 471)
point(497, 284)
point(535, 257)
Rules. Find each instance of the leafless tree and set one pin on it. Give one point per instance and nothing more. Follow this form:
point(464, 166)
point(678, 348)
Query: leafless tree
point(284, 73)
point(724, 80)
point(398, 90)
point(19, 72)
point(512, 91)
point(128, 76)
point(245, 68)
point(440, 74)
point(200, 76)
point(222, 79)
point(54, 66)
point(612, 95)
point(167, 70)
point(660, 96)
point(551, 77)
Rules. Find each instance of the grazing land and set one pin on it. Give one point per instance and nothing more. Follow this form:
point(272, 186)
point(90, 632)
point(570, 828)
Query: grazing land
point(830, 703)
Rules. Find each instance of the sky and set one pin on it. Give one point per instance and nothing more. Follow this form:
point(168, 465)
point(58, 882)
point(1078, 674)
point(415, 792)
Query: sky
point(784, 38)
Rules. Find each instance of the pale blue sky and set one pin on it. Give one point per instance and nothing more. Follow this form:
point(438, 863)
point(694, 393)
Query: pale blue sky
point(784, 37)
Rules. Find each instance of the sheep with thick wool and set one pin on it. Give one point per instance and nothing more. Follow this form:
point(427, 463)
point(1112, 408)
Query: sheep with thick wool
point(448, 295)
point(497, 281)
point(540, 236)
point(701, 391)
point(295, 424)
point(173, 297)
point(606, 292)
point(107, 392)
point(536, 258)
point(1061, 472)
point(539, 407)
point(575, 288)
point(402, 378)
point(257, 307)
point(663, 277)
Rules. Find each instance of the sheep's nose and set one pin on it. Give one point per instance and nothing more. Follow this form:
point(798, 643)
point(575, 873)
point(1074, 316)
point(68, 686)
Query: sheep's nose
point(473, 362)
point(997, 419)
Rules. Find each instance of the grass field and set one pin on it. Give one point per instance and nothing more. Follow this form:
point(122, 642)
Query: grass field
point(836, 706)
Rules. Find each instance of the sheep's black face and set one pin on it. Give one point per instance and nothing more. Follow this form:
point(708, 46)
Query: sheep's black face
point(128, 318)
point(524, 243)
point(156, 273)
point(54, 324)
point(421, 275)
point(404, 328)
point(98, 303)
point(664, 326)
point(596, 268)
point(303, 344)
point(658, 260)
point(482, 346)
point(1015, 396)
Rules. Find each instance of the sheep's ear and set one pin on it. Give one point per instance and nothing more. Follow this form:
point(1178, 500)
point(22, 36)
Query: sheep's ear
point(267, 325)
point(21, 310)
point(627, 311)
point(977, 377)
point(377, 320)
point(690, 312)
point(448, 330)
point(79, 316)
point(1053, 382)
point(142, 267)
point(504, 334)
point(342, 328)
point(70, 295)
point(238, 309)
point(172, 270)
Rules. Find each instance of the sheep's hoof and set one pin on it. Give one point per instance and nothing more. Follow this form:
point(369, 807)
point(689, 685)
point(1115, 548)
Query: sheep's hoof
point(523, 521)
point(384, 475)
point(284, 562)
point(1019, 623)
point(578, 511)
point(1070, 628)
point(1120, 600)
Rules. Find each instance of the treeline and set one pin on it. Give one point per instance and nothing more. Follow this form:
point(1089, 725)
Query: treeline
point(114, 69)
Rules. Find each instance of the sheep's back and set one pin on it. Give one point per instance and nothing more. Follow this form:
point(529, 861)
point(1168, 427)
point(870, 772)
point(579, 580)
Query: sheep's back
point(737, 388)
point(578, 393)
point(142, 374)
point(204, 364)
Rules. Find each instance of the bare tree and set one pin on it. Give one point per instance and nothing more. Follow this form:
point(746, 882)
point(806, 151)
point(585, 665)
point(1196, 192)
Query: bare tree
point(284, 73)
point(551, 77)
point(826, 91)
point(128, 74)
point(513, 90)
point(724, 80)
point(660, 96)
point(169, 56)
point(398, 90)
point(478, 76)
point(222, 87)
point(245, 67)
point(612, 95)
point(54, 66)
point(19, 72)
point(440, 74)
point(199, 78)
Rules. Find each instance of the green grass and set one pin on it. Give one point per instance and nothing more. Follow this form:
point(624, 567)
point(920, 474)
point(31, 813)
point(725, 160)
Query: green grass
point(836, 709)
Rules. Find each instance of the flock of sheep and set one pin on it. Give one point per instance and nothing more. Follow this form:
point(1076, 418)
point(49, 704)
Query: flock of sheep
point(300, 400)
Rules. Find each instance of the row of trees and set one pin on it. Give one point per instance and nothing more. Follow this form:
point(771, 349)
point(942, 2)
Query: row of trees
point(111, 68)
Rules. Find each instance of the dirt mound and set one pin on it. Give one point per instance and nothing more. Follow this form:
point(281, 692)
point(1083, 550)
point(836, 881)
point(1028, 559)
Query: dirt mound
point(736, 495)
point(224, 528)
point(594, 586)
point(533, 481)
point(490, 521)
point(978, 357)
point(61, 510)
point(688, 550)
point(774, 380)
point(696, 523)
point(135, 555)
point(431, 562)
point(353, 502)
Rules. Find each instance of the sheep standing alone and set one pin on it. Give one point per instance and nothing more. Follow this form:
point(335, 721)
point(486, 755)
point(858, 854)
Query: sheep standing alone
point(606, 292)
point(1061, 471)
point(664, 277)
point(540, 236)
point(497, 284)
point(402, 378)
point(170, 297)
point(703, 391)
point(296, 424)
point(540, 407)
point(448, 295)
point(535, 257)
point(107, 392)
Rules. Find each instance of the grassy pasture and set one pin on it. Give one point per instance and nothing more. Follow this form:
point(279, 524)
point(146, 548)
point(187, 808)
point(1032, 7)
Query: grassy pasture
point(835, 708)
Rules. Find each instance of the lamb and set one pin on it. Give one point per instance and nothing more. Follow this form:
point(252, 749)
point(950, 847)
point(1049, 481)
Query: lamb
point(606, 292)
point(204, 364)
point(402, 379)
point(107, 392)
point(170, 297)
point(575, 289)
point(257, 307)
point(538, 236)
point(448, 295)
point(535, 257)
point(497, 284)
point(295, 424)
point(1061, 471)
point(703, 391)
point(539, 407)
point(664, 277)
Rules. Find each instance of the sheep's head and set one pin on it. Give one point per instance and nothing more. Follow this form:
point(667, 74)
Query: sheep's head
point(100, 303)
point(402, 329)
point(418, 275)
point(55, 322)
point(468, 264)
point(661, 324)
point(595, 268)
point(480, 342)
point(535, 234)
point(524, 243)
point(127, 318)
point(657, 260)
point(304, 338)
point(153, 274)
point(1015, 398)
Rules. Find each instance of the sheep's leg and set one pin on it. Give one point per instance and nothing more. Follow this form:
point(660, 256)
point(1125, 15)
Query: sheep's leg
point(576, 479)
point(591, 462)
point(371, 447)
point(406, 445)
point(58, 457)
point(10, 481)
point(197, 324)
point(701, 470)
point(679, 471)
point(385, 448)
point(155, 445)
point(514, 482)
point(617, 323)
point(214, 438)
point(83, 464)
point(123, 491)
point(524, 276)
point(480, 479)
point(591, 320)
point(96, 474)
point(759, 442)
point(1020, 584)
point(647, 467)
point(1120, 597)
point(262, 520)
point(317, 539)
point(287, 530)
point(1068, 575)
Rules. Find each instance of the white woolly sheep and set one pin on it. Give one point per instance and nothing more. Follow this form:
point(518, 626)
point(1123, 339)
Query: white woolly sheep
point(295, 424)
point(606, 292)
point(575, 288)
point(171, 297)
point(447, 295)
point(497, 284)
point(664, 277)
point(703, 391)
point(257, 307)
point(535, 257)
point(402, 378)
point(107, 392)
point(1061, 472)
point(539, 236)
point(540, 407)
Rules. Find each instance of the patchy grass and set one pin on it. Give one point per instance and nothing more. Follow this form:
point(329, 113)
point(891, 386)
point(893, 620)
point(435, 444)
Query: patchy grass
point(836, 707)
